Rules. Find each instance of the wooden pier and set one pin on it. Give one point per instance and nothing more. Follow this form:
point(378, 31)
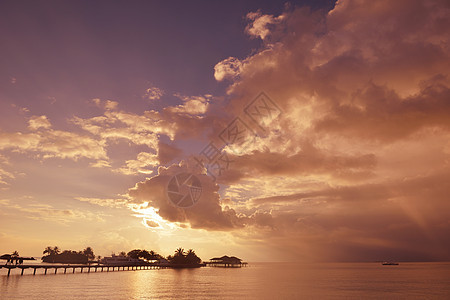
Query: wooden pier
point(85, 268)
point(226, 265)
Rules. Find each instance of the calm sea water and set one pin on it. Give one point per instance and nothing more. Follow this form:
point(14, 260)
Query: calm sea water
point(258, 281)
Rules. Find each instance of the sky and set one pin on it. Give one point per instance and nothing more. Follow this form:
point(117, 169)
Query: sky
point(267, 130)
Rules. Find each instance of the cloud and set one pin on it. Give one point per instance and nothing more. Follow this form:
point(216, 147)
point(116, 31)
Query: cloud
point(63, 144)
point(372, 220)
point(227, 69)
point(4, 174)
point(167, 153)
point(37, 122)
point(104, 202)
point(106, 104)
point(355, 166)
point(308, 161)
point(52, 143)
point(382, 114)
point(115, 126)
point(259, 25)
point(146, 129)
point(196, 105)
point(49, 213)
point(362, 141)
point(206, 214)
point(19, 140)
point(143, 163)
point(152, 224)
point(345, 171)
point(139, 129)
point(153, 93)
point(100, 164)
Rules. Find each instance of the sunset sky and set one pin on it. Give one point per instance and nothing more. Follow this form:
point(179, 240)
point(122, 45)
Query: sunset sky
point(343, 111)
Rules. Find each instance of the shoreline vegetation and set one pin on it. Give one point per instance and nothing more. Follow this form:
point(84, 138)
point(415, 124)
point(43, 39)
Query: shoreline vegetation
point(180, 258)
point(136, 257)
point(67, 256)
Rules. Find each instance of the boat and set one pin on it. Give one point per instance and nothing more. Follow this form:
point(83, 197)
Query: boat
point(118, 260)
point(389, 263)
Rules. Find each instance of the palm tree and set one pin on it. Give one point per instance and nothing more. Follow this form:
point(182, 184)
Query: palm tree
point(122, 253)
point(192, 258)
point(136, 253)
point(51, 251)
point(48, 250)
point(179, 252)
point(154, 256)
point(144, 254)
point(89, 253)
point(15, 253)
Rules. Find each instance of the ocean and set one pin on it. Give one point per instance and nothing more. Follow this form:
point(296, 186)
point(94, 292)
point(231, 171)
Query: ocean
point(257, 281)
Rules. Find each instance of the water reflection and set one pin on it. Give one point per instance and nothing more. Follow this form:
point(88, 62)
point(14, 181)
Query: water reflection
point(259, 281)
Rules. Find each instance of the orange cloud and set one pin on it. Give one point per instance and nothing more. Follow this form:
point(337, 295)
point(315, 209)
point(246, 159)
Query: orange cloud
point(37, 122)
point(362, 143)
point(52, 143)
point(206, 214)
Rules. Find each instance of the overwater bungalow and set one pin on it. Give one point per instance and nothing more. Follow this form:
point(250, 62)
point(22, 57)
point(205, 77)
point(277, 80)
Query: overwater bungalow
point(226, 262)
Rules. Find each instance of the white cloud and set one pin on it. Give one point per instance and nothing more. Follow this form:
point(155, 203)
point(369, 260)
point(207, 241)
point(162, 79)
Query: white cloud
point(227, 69)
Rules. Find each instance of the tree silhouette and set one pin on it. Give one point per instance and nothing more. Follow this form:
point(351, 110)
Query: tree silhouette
point(179, 252)
point(48, 250)
point(154, 256)
point(89, 253)
point(147, 255)
point(52, 255)
point(136, 253)
point(182, 258)
point(192, 258)
point(144, 254)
